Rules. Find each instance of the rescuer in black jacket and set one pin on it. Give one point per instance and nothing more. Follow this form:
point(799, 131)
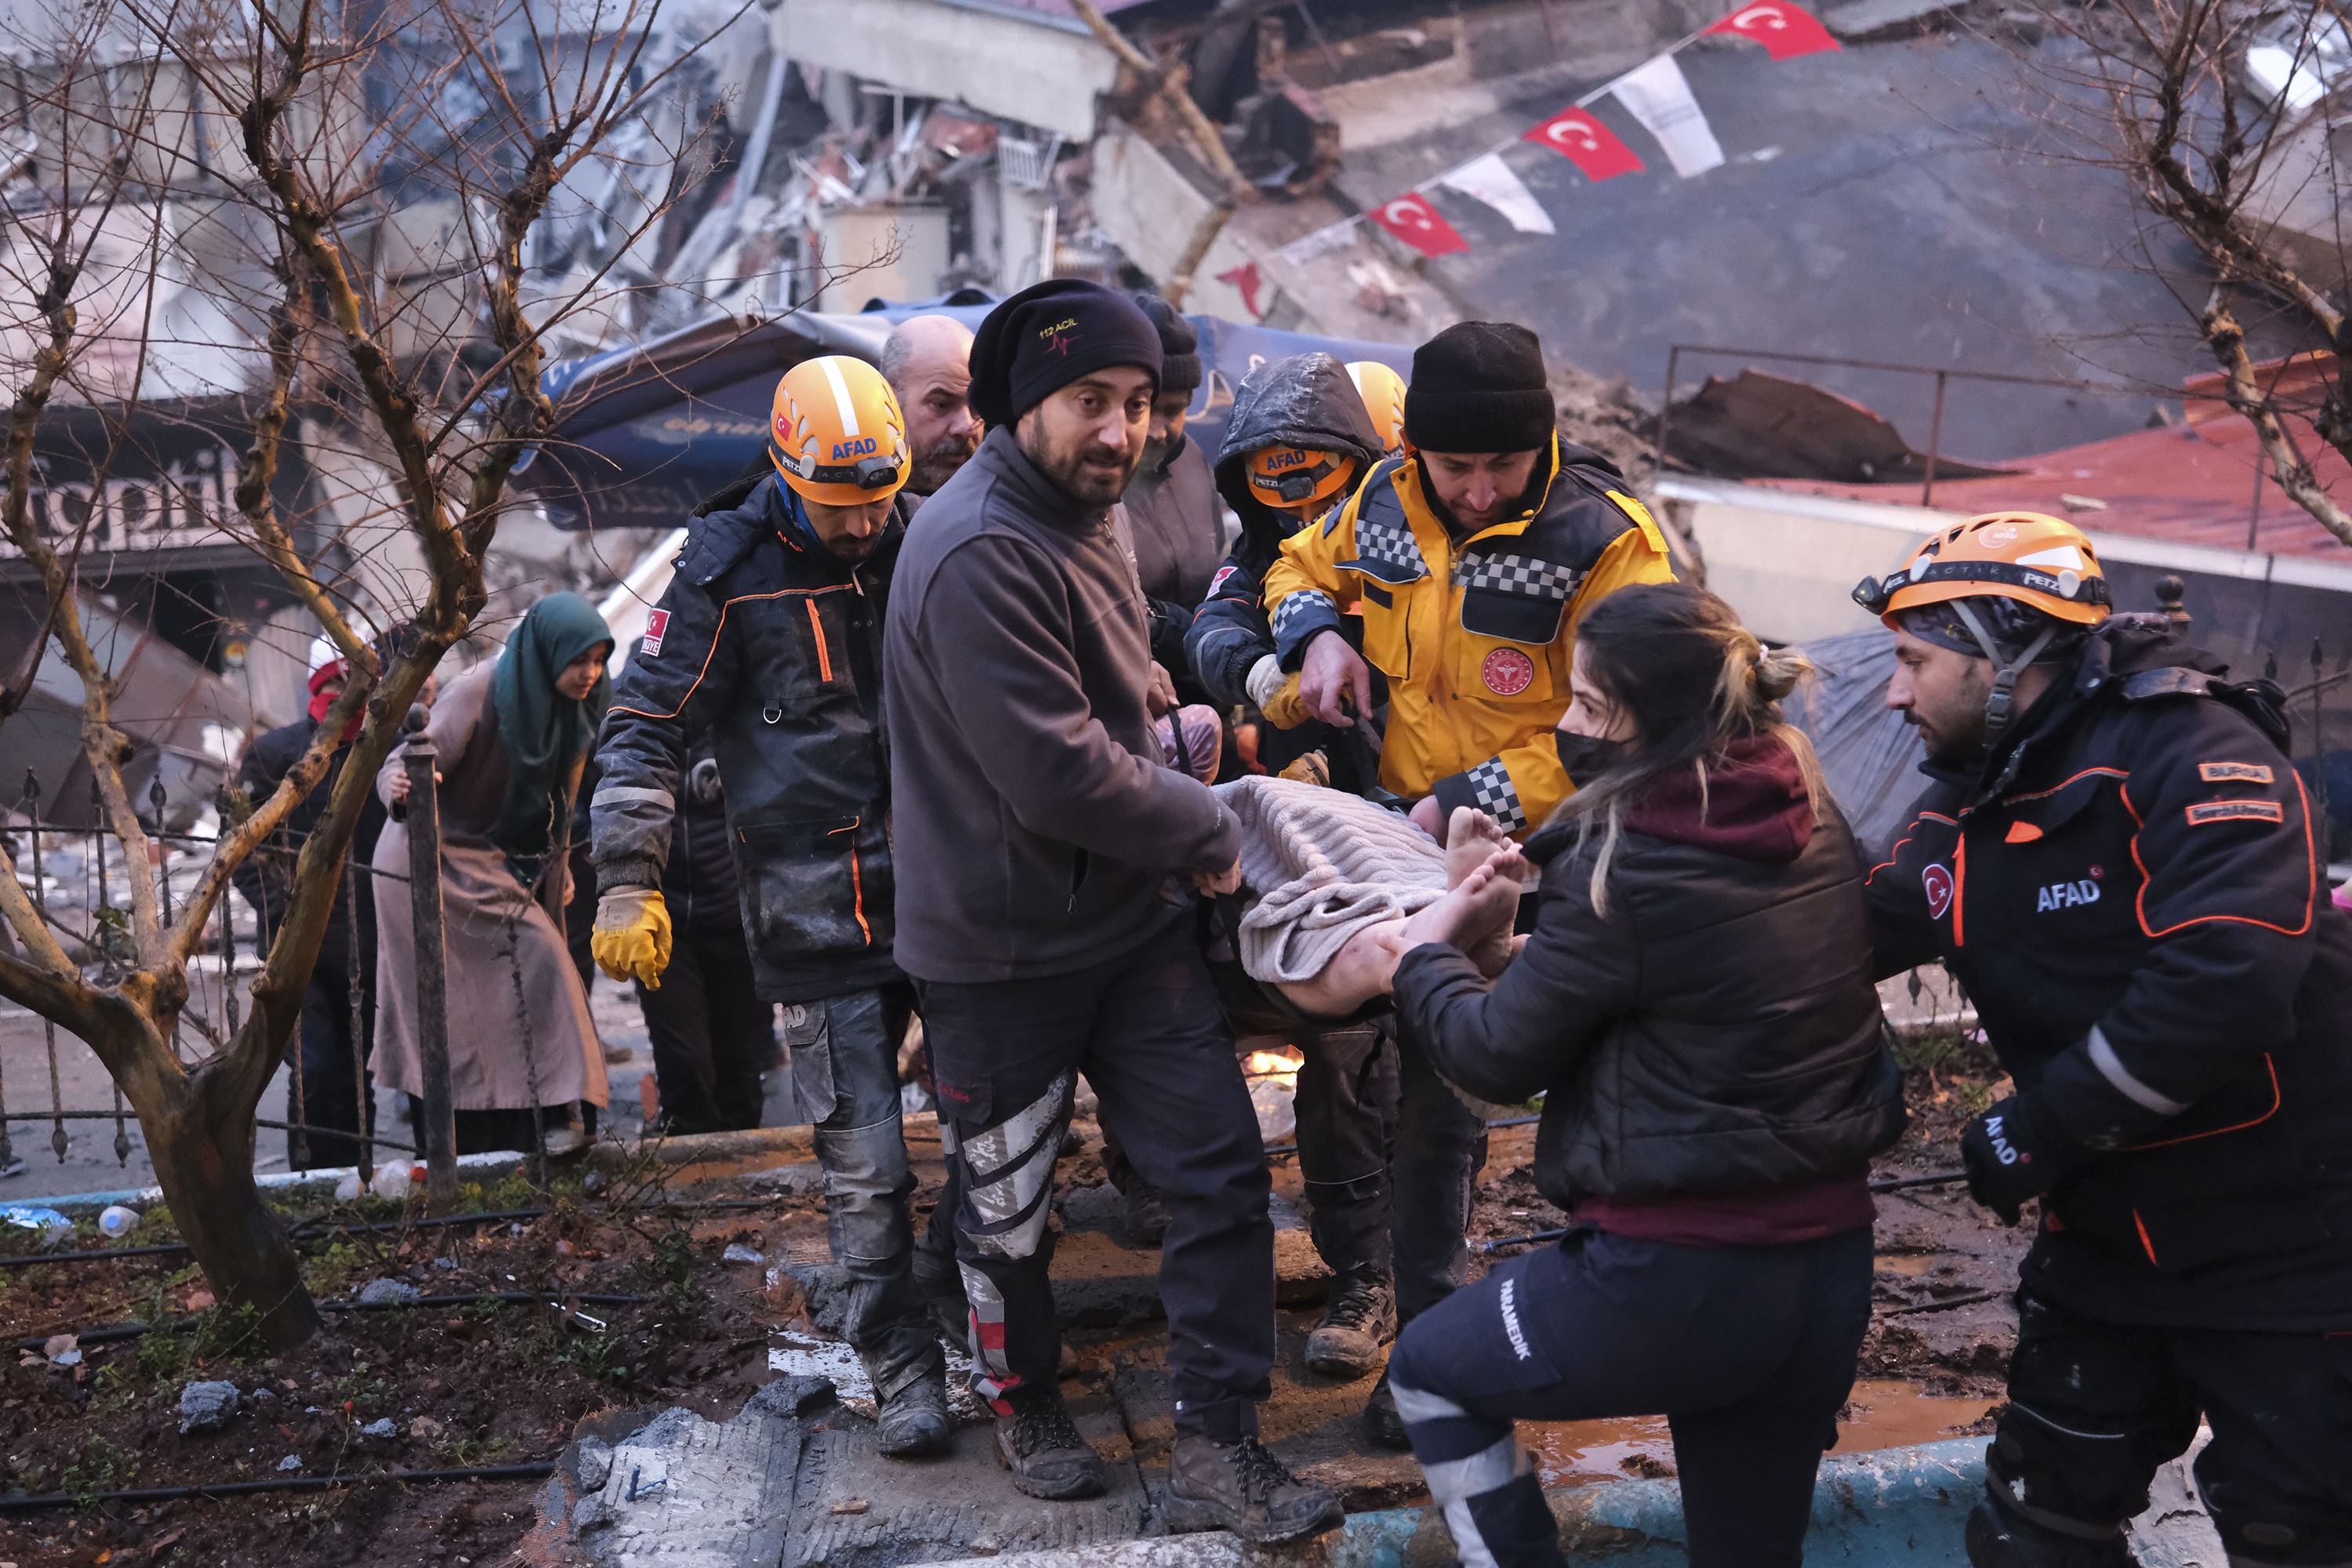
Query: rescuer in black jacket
point(2117, 863)
point(769, 638)
point(1696, 1002)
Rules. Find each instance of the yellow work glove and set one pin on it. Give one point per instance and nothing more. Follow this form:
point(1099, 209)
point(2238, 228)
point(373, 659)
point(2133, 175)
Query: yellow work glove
point(1275, 692)
point(631, 940)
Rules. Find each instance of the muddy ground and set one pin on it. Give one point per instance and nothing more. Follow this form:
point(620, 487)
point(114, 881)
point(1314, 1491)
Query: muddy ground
point(489, 1384)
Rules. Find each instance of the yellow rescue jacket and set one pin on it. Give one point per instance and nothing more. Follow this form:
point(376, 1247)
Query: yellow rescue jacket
point(1475, 637)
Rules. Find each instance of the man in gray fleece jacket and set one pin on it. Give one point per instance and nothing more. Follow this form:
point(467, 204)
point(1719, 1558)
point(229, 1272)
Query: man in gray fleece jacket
point(1043, 855)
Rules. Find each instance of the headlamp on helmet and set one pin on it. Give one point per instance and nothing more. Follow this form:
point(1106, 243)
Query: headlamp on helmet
point(1293, 477)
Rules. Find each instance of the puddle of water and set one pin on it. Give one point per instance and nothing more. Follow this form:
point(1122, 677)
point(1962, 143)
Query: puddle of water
point(1885, 1413)
point(1912, 1263)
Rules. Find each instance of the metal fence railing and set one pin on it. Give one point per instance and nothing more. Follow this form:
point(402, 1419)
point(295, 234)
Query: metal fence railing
point(79, 880)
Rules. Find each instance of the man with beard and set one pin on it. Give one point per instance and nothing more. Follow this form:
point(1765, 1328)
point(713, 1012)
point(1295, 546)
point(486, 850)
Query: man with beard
point(2117, 861)
point(1474, 556)
point(927, 360)
point(1043, 851)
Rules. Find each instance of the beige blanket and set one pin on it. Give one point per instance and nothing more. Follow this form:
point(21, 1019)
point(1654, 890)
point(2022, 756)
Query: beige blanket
point(1322, 866)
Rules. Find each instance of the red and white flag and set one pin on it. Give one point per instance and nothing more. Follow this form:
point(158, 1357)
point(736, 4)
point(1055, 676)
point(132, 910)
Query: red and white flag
point(1411, 220)
point(1584, 141)
point(1785, 29)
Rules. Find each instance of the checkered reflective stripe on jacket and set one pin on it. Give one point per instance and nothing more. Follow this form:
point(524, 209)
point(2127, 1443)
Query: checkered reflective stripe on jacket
point(1497, 796)
point(1306, 602)
point(1385, 548)
point(1517, 574)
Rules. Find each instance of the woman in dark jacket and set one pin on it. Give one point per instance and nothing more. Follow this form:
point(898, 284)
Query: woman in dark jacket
point(1696, 1001)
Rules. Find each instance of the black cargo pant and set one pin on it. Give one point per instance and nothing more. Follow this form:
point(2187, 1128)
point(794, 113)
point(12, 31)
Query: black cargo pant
point(1387, 1154)
point(1748, 1351)
point(712, 1036)
point(1144, 1029)
point(844, 1064)
point(333, 1089)
point(2095, 1407)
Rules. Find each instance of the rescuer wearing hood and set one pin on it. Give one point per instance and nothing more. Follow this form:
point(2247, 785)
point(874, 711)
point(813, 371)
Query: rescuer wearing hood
point(770, 638)
point(1474, 557)
point(2117, 861)
point(1171, 502)
point(1297, 440)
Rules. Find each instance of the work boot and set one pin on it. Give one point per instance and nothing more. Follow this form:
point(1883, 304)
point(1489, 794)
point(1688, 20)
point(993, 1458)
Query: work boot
point(1381, 1422)
point(1041, 1445)
point(1358, 1317)
point(912, 1424)
point(941, 1282)
point(1141, 1212)
point(1996, 1536)
point(1240, 1488)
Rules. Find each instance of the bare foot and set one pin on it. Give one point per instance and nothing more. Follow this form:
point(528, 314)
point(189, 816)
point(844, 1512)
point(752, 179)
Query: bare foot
point(1359, 971)
point(1482, 902)
point(1471, 837)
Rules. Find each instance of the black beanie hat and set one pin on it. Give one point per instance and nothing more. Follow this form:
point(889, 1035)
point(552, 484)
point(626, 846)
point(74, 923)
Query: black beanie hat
point(1047, 336)
point(1179, 345)
point(1479, 387)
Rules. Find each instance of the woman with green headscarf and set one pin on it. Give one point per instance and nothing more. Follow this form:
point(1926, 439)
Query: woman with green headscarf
point(511, 735)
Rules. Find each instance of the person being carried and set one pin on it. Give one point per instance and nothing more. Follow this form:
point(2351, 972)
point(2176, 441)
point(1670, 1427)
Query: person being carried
point(2117, 861)
point(1696, 1004)
point(769, 637)
point(1041, 847)
point(1474, 558)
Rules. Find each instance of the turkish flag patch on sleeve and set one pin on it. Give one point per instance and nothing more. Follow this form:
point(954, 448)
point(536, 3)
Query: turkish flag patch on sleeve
point(656, 628)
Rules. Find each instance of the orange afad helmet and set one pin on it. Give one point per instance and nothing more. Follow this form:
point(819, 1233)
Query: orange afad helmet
point(1300, 478)
point(1382, 391)
point(835, 434)
point(2035, 559)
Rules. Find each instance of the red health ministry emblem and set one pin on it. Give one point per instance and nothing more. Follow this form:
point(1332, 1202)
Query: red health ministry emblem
point(1507, 672)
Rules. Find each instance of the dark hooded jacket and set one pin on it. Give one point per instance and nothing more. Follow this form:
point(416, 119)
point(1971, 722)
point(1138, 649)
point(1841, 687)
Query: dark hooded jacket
point(1304, 400)
point(2130, 891)
point(1714, 1030)
point(1171, 517)
point(773, 646)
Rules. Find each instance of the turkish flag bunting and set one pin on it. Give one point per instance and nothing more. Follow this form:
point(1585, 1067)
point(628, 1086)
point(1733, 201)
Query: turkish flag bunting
point(1411, 220)
point(1592, 146)
point(1785, 29)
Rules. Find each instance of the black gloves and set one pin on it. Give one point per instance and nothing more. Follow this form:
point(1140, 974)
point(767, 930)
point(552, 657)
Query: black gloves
point(2008, 1158)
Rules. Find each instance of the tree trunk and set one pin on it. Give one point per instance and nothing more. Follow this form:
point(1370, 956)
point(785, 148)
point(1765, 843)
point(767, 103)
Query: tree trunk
point(204, 1164)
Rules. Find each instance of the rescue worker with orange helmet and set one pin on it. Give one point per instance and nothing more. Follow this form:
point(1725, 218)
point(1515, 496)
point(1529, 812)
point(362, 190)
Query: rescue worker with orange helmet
point(1298, 438)
point(769, 640)
point(2117, 863)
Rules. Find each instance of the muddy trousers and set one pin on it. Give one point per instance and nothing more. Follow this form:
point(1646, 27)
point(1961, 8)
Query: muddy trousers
point(711, 1034)
point(1387, 1154)
point(2095, 1407)
point(1146, 1030)
point(1749, 1351)
point(845, 1065)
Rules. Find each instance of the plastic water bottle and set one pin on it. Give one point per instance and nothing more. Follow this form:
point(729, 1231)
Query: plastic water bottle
point(117, 1220)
